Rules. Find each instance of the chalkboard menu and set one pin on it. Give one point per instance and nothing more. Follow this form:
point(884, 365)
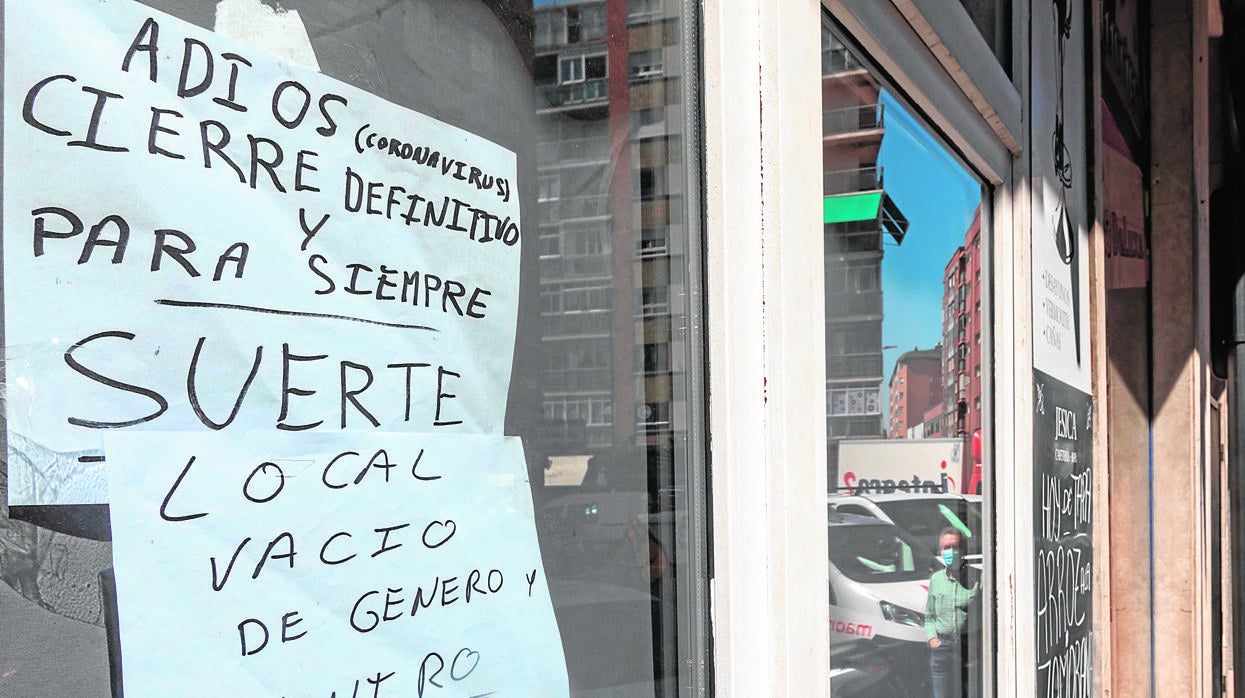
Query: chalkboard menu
point(1063, 515)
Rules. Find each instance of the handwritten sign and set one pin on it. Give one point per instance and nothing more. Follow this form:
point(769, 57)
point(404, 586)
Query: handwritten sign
point(1063, 513)
point(200, 237)
point(293, 565)
point(279, 314)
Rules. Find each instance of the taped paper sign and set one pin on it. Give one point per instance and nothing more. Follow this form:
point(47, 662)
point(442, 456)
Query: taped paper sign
point(1060, 213)
point(295, 565)
point(199, 237)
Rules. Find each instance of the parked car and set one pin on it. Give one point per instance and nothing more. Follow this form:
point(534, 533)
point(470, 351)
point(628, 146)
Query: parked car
point(878, 584)
point(923, 515)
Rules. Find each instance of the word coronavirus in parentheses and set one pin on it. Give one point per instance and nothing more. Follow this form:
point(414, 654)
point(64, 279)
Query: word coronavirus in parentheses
point(366, 139)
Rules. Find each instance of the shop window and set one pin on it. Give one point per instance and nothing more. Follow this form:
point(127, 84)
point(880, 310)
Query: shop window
point(910, 267)
point(557, 445)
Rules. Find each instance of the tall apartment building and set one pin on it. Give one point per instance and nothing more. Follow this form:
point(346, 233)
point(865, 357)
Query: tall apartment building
point(915, 388)
point(858, 214)
point(609, 181)
point(961, 327)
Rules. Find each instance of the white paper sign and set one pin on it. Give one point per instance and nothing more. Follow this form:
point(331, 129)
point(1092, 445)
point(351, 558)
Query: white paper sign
point(375, 565)
point(1061, 342)
point(200, 237)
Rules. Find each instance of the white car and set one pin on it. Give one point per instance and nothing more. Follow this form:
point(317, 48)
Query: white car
point(923, 515)
point(879, 579)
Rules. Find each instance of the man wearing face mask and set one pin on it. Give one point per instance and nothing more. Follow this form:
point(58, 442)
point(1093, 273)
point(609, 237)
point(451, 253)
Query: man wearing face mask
point(952, 620)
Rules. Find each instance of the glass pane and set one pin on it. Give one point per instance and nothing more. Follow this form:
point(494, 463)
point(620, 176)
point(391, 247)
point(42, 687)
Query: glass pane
point(515, 165)
point(903, 412)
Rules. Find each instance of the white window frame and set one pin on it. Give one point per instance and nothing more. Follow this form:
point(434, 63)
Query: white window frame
point(652, 68)
point(581, 60)
point(577, 60)
point(548, 187)
point(769, 606)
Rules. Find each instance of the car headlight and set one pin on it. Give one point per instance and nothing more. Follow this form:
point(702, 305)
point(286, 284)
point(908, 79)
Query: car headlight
point(901, 615)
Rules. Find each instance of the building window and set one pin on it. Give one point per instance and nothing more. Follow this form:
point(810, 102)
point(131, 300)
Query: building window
point(652, 242)
point(653, 415)
point(550, 28)
point(591, 22)
point(653, 358)
point(853, 401)
point(550, 243)
point(648, 116)
point(548, 187)
point(654, 300)
point(645, 65)
point(652, 183)
point(571, 70)
point(856, 338)
point(643, 10)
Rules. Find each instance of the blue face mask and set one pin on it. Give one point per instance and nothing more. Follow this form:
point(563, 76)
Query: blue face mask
point(949, 557)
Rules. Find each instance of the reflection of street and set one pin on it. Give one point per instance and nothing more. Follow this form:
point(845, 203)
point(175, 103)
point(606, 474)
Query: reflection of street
point(611, 564)
point(44, 654)
point(880, 567)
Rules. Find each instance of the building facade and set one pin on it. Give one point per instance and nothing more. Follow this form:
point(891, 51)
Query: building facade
point(915, 388)
point(858, 218)
point(292, 405)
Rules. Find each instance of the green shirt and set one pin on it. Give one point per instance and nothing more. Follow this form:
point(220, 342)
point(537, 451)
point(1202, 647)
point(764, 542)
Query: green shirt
point(950, 604)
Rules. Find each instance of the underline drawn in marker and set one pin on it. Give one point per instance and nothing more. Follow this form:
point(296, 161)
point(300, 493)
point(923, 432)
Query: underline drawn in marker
point(293, 313)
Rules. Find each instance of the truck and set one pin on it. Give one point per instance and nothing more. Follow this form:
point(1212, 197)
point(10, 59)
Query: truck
point(883, 466)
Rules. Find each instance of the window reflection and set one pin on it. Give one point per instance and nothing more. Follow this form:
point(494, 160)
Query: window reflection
point(611, 497)
point(903, 411)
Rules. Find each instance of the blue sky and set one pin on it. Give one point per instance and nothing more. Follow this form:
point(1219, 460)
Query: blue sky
point(938, 197)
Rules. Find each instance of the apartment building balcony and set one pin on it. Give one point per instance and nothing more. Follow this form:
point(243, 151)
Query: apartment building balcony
point(574, 94)
point(853, 180)
point(576, 207)
point(572, 150)
point(559, 326)
point(852, 122)
point(577, 379)
point(593, 266)
point(836, 60)
point(854, 366)
point(839, 305)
